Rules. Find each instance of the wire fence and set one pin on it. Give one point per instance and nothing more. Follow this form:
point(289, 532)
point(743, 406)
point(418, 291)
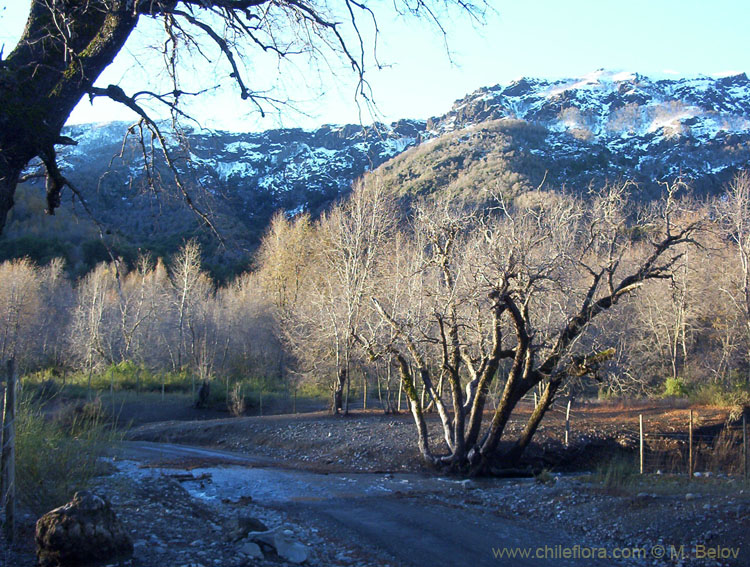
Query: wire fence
point(685, 447)
point(715, 449)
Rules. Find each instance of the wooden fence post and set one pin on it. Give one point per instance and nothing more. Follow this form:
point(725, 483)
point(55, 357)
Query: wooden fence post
point(2, 437)
point(9, 453)
point(690, 447)
point(744, 444)
point(567, 424)
point(640, 423)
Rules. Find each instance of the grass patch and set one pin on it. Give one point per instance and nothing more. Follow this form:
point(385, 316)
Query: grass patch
point(57, 457)
point(618, 473)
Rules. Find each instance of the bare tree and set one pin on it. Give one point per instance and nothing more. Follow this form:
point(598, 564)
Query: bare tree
point(318, 276)
point(352, 236)
point(153, 336)
point(514, 292)
point(135, 306)
point(285, 275)
point(56, 296)
point(191, 290)
point(66, 45)
point(251, 343)
point(93, 321)
point(735, 213)
point(19, 308)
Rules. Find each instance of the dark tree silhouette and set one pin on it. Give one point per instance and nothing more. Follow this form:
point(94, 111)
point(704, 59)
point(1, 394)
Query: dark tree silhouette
point(67, 44)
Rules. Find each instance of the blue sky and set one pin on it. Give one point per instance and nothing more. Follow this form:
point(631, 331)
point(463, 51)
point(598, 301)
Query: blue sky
point(543, 38)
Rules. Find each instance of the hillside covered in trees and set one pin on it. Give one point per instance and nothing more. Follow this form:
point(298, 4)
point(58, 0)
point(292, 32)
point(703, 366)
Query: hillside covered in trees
point(331, 299)
point(564, 135)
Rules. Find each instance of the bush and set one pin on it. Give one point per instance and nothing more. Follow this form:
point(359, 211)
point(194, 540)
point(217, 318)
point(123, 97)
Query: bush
point(715, 394)
point(75, 418)
point(675, 388)
point(56, 458)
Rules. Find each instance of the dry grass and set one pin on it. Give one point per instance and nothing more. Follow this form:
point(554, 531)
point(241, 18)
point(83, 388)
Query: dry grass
point(56, 458)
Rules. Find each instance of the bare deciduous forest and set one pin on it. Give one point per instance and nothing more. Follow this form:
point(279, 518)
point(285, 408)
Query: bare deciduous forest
point(423, 325)
point(462, 307)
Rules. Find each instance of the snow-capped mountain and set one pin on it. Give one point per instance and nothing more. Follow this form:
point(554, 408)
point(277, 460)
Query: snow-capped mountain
point(605, 124)
point(574, 132)
point(610, 105)
point(291, 167)
point(632, 126)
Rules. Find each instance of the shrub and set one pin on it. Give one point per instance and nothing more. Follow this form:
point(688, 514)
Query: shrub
point(675, 388)
point(74, 418)
point(124, 375)
point(736, 396)
point(54, 459)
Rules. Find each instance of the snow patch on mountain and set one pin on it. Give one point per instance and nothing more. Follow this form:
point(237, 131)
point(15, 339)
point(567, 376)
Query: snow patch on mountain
point(604, 125)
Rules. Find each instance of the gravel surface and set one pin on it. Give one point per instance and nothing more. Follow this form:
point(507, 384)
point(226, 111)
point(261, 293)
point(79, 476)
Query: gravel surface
point(702, 522)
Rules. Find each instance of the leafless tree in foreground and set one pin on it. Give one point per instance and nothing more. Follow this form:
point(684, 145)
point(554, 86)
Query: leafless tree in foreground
point(318, 277)
point(67, 44)
point(475, 298)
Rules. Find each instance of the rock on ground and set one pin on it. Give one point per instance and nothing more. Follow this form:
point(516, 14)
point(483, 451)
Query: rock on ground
point(84, 531)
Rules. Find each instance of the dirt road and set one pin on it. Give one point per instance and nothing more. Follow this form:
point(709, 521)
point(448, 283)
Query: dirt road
point(395, 517)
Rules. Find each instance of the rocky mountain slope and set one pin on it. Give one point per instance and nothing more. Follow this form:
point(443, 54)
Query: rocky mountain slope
point(622, 125)
point(572, 133)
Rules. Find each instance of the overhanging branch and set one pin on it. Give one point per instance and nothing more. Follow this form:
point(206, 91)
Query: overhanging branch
point(116, 94)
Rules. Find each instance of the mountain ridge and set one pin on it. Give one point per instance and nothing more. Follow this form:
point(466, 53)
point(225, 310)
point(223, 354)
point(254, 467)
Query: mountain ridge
point(567, 132)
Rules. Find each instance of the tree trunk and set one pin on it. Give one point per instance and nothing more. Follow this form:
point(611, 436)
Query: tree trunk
point(416, 410)
point(338, 391)
point(8, 181)
point(9, 453)
point(514, 454)
point(512, 393)
point(380, 391)
point(364, 391)
point(44, 78)
point(348, 390)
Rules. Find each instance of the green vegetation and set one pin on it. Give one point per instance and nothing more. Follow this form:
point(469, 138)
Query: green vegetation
point(124, 384)
point(127, 376)
point(59, 455)
point(675, 388)
point(734, 395)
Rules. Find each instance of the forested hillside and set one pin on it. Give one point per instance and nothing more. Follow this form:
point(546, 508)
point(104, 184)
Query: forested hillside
point(569, 135)
point(331, 299)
